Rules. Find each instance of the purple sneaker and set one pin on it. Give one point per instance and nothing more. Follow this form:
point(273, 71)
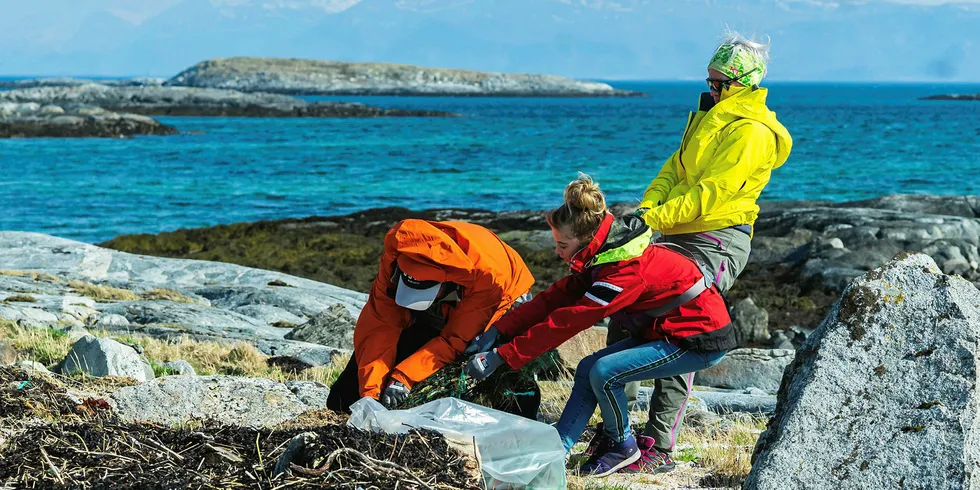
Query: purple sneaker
point(651, 460)
point(617, 455)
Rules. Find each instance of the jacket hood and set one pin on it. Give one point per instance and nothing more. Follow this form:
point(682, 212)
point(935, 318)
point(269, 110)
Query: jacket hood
point(751, 104)
point(428, 253)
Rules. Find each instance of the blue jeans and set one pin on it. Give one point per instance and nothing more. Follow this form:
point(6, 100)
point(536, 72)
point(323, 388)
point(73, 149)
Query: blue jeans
point(601, 378)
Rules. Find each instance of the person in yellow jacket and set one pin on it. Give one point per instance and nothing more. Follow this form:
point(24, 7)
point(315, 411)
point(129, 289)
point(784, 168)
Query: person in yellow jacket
point(704, 200)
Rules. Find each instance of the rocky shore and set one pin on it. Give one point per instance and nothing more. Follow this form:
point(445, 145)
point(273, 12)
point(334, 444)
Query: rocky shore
point(186, 101)
point(875, 397)
point(804, 253)
point(34, 120)
point(312, 77)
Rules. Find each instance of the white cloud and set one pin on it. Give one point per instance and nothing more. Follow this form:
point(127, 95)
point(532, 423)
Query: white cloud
point(328, 6)
point(137, 12)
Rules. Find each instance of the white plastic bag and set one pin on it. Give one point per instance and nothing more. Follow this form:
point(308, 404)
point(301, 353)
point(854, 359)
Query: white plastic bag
point(514, 452)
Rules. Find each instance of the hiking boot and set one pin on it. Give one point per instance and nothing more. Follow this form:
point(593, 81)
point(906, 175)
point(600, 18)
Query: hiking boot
point(596, 440)
point(651, 460)
point(616, 456)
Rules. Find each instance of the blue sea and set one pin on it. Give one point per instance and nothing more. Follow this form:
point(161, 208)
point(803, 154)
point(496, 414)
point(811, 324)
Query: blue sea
point(852, 141)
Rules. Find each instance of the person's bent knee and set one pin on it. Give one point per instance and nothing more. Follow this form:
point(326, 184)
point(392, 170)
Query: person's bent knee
point(584, 368)
point(602, 374)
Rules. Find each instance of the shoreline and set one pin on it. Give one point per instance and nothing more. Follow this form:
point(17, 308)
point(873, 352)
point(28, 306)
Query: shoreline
point(804, 252)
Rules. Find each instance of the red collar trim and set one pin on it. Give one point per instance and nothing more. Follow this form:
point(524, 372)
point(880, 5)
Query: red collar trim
point(583, 257)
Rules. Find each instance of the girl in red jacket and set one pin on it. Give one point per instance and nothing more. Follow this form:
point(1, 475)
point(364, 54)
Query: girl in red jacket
point(677, 320)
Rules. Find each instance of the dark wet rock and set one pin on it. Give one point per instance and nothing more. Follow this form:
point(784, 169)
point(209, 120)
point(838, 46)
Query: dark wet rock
point(966, 97)
point(32, 120)
point(751, 323)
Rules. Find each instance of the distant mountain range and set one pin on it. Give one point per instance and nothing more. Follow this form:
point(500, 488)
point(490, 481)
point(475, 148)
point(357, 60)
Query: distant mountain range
point(624, 39)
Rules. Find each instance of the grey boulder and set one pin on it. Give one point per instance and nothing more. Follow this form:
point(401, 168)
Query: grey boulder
point(882, 394)
point(105, 357)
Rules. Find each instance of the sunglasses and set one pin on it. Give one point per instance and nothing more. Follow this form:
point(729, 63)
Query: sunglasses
point(719, 85)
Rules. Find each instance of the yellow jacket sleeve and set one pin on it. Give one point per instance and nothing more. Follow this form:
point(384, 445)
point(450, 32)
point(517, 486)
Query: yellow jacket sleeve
point(740, 150)
point(660, 187)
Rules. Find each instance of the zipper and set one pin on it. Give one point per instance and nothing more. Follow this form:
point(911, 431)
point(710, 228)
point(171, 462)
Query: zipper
point(680, 152)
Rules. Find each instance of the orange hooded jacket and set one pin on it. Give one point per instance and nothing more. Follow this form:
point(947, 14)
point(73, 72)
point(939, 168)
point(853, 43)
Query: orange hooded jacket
point(491, 274)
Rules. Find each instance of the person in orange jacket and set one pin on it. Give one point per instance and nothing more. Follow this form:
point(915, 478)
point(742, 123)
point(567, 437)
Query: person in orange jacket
point(439, 285)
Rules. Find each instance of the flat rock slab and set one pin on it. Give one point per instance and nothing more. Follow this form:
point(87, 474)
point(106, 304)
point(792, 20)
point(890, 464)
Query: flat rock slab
point(720, 402)
point(215, 301)
point(250, 402)
point(333, 327)
point(748, 368)
point(883, 393)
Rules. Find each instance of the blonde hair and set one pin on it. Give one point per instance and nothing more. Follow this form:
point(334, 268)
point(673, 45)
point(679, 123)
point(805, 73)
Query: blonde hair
point(583, 210)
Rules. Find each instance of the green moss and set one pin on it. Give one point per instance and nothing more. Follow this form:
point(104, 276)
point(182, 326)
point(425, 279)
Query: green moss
point(332, 255)
point(342, 259)
point(159, 370)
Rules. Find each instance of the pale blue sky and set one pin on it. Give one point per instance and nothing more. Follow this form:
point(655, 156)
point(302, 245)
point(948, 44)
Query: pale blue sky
point(901, 40)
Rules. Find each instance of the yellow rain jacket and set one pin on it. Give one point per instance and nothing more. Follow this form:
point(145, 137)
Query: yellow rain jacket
point(726, 156)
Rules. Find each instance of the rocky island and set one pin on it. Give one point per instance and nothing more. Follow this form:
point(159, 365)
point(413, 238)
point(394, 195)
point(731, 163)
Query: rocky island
point(189, 101)
point(314, 77)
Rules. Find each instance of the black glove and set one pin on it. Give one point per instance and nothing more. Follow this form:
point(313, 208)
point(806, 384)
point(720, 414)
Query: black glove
point(483, 342)
point(482, 365)
point(394, 394)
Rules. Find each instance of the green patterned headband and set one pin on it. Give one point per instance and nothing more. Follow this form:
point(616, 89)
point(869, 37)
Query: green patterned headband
point(738, 64)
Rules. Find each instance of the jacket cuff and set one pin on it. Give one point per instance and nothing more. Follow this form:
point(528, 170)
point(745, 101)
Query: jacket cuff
point(509, 354)
point(505, 325)
point(401, 378)
point(646, 203)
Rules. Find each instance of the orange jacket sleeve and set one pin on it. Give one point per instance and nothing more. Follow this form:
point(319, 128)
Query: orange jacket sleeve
point(376, 333)
point(471, 317)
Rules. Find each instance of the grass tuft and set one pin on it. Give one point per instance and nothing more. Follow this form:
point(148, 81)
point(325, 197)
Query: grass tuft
point(102, 293)
point(168, 295)
point(20, 298)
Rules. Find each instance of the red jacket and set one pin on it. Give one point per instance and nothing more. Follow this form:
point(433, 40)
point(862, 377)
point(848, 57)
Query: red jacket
point(620, 275)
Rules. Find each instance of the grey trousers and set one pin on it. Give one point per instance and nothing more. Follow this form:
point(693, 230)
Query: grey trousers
point(725, 252)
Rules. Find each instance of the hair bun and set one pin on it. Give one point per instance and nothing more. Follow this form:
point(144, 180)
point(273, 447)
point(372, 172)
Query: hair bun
point(584, 194)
